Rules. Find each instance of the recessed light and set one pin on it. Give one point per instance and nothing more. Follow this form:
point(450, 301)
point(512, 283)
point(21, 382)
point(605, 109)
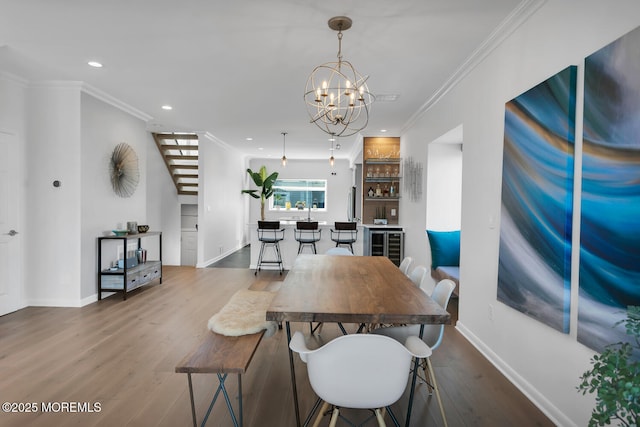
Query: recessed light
point(95, 64)
point(167, 107)
point(383, 130)
point(249, 138)
point(260, 148)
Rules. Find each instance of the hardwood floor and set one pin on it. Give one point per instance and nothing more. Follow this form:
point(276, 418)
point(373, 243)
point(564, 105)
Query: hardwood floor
point(121, 355)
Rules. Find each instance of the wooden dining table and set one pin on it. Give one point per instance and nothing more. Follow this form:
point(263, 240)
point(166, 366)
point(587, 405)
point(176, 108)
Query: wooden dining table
point(351, 289)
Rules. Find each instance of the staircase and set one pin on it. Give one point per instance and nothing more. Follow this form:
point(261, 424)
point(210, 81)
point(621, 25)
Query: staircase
point(180, 153)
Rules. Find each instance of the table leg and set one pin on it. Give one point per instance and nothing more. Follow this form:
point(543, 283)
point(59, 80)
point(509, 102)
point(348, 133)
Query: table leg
point(240, 399)
point(193, 406)
point(413, 382)
point(293, 374)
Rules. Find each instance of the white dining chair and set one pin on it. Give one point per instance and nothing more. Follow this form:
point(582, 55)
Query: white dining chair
point(360, 371)
point(432, 336)
point(418, 275)
point(338, 251)
point(405, 265)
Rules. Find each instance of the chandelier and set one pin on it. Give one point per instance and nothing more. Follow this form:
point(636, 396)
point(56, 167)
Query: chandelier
point(336, 95)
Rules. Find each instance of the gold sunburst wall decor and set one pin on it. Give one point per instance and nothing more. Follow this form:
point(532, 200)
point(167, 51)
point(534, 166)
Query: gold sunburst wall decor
point(123, 170)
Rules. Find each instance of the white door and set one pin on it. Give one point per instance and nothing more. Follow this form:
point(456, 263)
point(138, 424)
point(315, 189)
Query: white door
point(189, 247)
point(10, 237)
point(189, 237)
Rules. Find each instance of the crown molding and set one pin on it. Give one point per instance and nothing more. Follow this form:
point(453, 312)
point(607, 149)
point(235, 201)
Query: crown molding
point(209, 136)
point(94, 92)
point(513, 21)
point(104, 97)
point(12, 78)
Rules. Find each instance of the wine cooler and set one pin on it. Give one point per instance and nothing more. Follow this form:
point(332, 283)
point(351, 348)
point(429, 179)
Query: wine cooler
point(388, 241)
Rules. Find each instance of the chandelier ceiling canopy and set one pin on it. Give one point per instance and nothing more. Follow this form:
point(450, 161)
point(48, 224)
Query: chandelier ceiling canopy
point(337, 97)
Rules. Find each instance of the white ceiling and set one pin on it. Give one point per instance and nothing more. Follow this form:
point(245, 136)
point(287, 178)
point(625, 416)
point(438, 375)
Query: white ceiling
point(238, 69)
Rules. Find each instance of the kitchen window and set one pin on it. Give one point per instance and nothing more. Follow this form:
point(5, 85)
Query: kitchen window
point(299, 193)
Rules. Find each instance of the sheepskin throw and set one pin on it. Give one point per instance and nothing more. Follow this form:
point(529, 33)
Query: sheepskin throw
point(245, 313)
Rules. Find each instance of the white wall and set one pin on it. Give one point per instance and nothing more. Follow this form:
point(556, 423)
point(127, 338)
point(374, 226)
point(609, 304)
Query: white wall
point(444, 186)
point(67, 135)
point(103, 128)
point(221, 221)
point(53, 215)
point(544, 363)
point(413, 214)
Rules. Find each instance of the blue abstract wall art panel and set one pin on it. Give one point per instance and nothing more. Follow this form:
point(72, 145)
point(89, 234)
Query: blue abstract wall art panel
point(534, 265)
point(609, 273)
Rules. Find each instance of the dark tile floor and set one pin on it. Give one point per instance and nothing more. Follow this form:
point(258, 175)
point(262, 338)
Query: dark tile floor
point(239, 259)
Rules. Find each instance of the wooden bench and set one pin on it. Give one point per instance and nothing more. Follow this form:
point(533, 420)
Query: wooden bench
point(221, 355)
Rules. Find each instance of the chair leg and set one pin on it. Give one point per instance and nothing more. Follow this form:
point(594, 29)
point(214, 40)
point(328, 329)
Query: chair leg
point(380, 416)
point(276, 245)
point(260, 258)
point(334, 417)
point(432, 377)
point(324, 407)
point(314, 329)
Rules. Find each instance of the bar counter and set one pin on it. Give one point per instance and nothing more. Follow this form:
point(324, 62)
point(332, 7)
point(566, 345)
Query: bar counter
point(289, 246)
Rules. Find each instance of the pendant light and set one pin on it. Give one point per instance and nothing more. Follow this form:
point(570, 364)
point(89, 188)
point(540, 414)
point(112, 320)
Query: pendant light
point(284, 158)
point(332, 160)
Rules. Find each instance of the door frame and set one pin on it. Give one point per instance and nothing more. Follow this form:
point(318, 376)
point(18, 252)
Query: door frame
point(13, 259)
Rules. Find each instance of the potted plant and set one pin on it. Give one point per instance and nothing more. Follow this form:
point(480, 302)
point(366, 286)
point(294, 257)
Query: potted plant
point(265, 182)
point(615, 378)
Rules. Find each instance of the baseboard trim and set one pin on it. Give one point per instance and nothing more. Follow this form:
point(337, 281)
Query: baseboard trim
point(218, 258)
point(55, 303)
point(537, 398)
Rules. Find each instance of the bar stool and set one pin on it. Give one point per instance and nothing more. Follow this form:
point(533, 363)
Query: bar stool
point(307, 234)
point(345, 233)
point(270, 234)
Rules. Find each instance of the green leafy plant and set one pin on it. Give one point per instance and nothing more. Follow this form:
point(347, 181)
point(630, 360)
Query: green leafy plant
point(265, 182)
point(615, 378)
point(278, 197)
